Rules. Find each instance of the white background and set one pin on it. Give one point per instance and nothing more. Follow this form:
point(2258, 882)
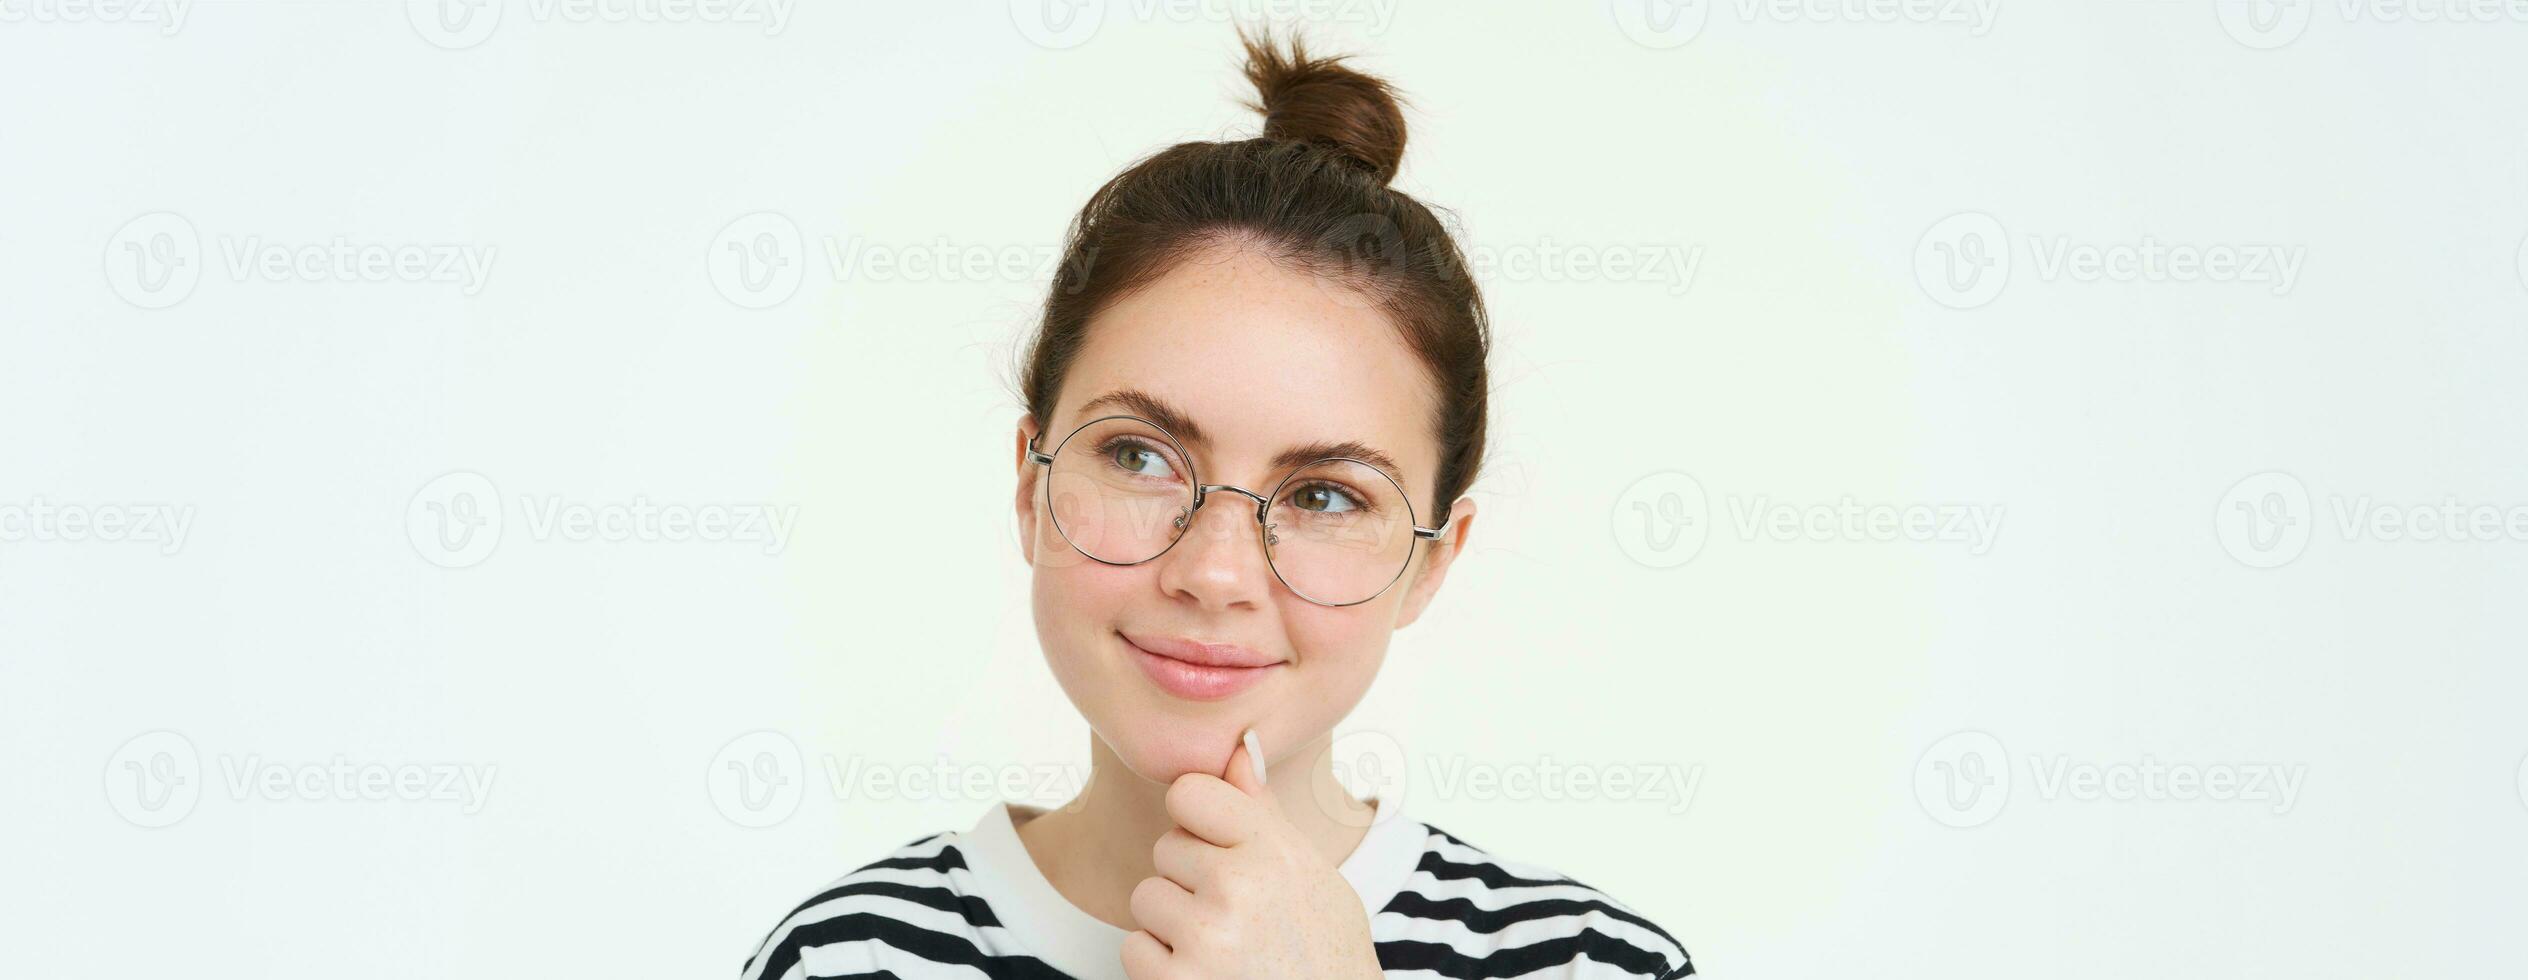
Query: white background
point(2143, 608)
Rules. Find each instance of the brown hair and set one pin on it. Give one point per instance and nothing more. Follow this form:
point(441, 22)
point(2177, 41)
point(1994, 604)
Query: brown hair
point(1311, 192)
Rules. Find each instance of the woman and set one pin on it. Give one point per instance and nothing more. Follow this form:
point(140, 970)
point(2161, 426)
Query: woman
point(1263, 327)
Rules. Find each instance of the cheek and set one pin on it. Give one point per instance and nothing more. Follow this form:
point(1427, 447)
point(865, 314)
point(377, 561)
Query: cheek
point(1340, 652)
point(1077, 601)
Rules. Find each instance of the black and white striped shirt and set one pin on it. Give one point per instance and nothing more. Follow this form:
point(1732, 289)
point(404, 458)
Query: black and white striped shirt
point(973, 904)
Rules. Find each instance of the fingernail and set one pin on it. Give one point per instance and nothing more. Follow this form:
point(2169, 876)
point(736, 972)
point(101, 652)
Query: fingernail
point(1254, 755)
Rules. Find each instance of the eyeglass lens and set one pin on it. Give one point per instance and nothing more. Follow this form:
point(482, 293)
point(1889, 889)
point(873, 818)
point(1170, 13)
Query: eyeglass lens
point(1338, 530)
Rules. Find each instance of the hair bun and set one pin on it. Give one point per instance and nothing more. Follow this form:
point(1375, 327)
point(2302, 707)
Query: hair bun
point(1319, 100)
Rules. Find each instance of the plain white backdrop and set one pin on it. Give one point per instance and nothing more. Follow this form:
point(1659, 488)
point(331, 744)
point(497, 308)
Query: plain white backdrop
point(1978, 491)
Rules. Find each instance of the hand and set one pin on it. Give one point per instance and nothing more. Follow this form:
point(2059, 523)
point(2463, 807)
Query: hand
point(1241, 894)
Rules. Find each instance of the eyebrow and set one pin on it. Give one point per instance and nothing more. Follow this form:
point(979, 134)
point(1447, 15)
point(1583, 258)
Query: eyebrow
point(1181, 425)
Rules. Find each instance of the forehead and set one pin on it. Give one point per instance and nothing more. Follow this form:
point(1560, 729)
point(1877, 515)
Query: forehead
point(1262, 357)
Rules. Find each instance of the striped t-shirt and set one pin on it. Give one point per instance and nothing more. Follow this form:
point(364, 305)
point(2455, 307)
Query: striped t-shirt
point(973, 904)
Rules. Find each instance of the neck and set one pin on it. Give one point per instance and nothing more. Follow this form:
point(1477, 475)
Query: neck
point(1096, 848)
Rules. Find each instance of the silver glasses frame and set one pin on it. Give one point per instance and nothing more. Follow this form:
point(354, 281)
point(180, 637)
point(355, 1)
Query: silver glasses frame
point(1263, 506)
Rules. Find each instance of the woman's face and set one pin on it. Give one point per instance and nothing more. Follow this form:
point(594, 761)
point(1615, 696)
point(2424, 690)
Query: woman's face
point(1260, 358)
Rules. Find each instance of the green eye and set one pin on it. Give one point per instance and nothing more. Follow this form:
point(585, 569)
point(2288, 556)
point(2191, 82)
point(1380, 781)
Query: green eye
point(1139, 460)
point(1324, 499)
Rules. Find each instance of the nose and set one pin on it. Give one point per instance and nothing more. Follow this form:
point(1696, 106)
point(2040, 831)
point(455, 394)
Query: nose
point(1219, 562)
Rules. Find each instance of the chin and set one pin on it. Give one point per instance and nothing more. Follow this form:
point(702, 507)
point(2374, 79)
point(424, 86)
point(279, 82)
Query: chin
point(1160, 747)
point(1155, 734)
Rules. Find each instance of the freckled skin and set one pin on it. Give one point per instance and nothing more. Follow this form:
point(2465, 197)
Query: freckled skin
point(1262, 356)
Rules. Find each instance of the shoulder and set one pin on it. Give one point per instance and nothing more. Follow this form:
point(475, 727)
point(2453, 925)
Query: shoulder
point(917, 899)
point(1467, 912)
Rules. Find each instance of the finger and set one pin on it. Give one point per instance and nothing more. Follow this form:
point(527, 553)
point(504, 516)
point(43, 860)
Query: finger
point(1185, 859)
point(1164, 909)
point(1145, 957)
point(1246, 767)
point(1214, 810)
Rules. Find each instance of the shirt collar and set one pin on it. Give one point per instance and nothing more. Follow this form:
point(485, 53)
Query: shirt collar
point(1075, 942)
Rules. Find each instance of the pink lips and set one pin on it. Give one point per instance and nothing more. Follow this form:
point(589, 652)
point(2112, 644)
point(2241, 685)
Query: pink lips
point(1199, 671)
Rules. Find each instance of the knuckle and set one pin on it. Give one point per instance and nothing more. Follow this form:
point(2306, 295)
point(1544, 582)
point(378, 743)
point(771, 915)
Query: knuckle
point(1185, 791)
point(1237, 885)
point(1144, 958)
point(1147, 895)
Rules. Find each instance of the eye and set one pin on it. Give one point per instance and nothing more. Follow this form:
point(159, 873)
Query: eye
point(1139, 459)
point(1323, 498)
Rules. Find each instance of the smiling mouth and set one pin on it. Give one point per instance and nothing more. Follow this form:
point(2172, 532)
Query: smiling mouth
point(1193, 681)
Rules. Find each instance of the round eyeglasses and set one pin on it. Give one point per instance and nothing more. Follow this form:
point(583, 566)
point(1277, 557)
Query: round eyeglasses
point(1337, 531)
